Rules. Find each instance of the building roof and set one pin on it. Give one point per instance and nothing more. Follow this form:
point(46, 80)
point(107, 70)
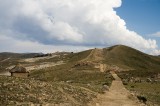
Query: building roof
point(18, 69)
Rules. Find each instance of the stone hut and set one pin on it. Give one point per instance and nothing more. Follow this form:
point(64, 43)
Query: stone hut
point(19, 71)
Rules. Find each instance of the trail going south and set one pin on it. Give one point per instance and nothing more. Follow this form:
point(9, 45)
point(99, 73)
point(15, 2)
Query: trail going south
point(117, 95)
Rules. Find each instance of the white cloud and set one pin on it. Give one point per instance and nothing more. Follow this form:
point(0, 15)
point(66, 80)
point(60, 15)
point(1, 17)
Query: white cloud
point(10, 44)
point(73, 23)
point(157, 34)
point(155, 52)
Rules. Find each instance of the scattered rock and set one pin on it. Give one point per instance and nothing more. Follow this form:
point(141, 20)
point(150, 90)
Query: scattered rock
point(18, 91)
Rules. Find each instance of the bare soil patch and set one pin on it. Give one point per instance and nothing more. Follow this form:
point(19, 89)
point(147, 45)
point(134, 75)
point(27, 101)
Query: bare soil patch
point(117, 95)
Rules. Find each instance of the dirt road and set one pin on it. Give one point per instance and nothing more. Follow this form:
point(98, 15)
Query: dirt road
point(117, 95)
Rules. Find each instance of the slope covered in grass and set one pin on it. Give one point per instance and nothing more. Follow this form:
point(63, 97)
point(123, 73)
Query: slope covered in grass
point(5, 55)
point(74, 57)
point(130, 58)
point(85, 80)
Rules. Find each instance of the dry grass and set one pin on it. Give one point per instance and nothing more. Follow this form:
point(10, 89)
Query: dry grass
point(148, 90)
point(25, 91)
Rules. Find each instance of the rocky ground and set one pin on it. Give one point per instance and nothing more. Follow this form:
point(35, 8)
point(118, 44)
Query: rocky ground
point(77, 78)
point(116, 96)
point(17, 91)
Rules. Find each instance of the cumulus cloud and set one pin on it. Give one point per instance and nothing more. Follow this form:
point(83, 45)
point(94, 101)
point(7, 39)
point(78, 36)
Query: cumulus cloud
point(74, 23)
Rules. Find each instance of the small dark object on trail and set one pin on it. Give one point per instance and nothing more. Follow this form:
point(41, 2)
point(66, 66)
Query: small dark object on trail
point(142, 98)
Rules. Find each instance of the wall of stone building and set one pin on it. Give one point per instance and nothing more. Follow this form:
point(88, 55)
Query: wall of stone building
point(22, 75)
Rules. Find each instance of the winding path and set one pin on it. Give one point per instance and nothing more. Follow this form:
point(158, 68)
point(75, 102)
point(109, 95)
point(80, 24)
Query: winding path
point(117, 95)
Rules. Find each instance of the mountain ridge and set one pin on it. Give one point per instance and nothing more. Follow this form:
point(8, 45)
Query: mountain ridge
point(122, 56)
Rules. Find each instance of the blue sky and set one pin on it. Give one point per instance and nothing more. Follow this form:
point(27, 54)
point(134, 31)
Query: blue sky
point(142, 16)
point(76, 25)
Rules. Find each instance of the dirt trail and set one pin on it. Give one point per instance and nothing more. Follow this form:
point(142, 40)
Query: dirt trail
point(102, 67)
point(117, 95)
point(95, 55)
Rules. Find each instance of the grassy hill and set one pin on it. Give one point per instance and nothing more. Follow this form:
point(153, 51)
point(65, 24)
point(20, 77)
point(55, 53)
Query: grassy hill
point(139, 65)
point(5, 55)
point(127, 58)
point(77, 75)
point(68, 72)
point(63, 84)
point(8, 59)
point(75, 57)
point(131, 59)
point(122, 56)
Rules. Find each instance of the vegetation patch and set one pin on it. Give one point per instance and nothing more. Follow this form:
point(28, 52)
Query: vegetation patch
point(146, 86)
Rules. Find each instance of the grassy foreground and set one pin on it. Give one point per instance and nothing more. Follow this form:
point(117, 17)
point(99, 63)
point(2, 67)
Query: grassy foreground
point(141, 87)
point(25, 92)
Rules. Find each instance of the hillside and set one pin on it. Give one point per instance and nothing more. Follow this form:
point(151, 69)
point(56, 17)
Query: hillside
point(61, 84)
point(30, 92)
point(8, 59)
point(131, 59)
point(86, 74)
point(17, 55)
point(124, 57)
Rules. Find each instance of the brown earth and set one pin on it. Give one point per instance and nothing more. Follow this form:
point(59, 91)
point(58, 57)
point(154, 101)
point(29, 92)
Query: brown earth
point(96, 55)
point(102, 67)
point(117, 95)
